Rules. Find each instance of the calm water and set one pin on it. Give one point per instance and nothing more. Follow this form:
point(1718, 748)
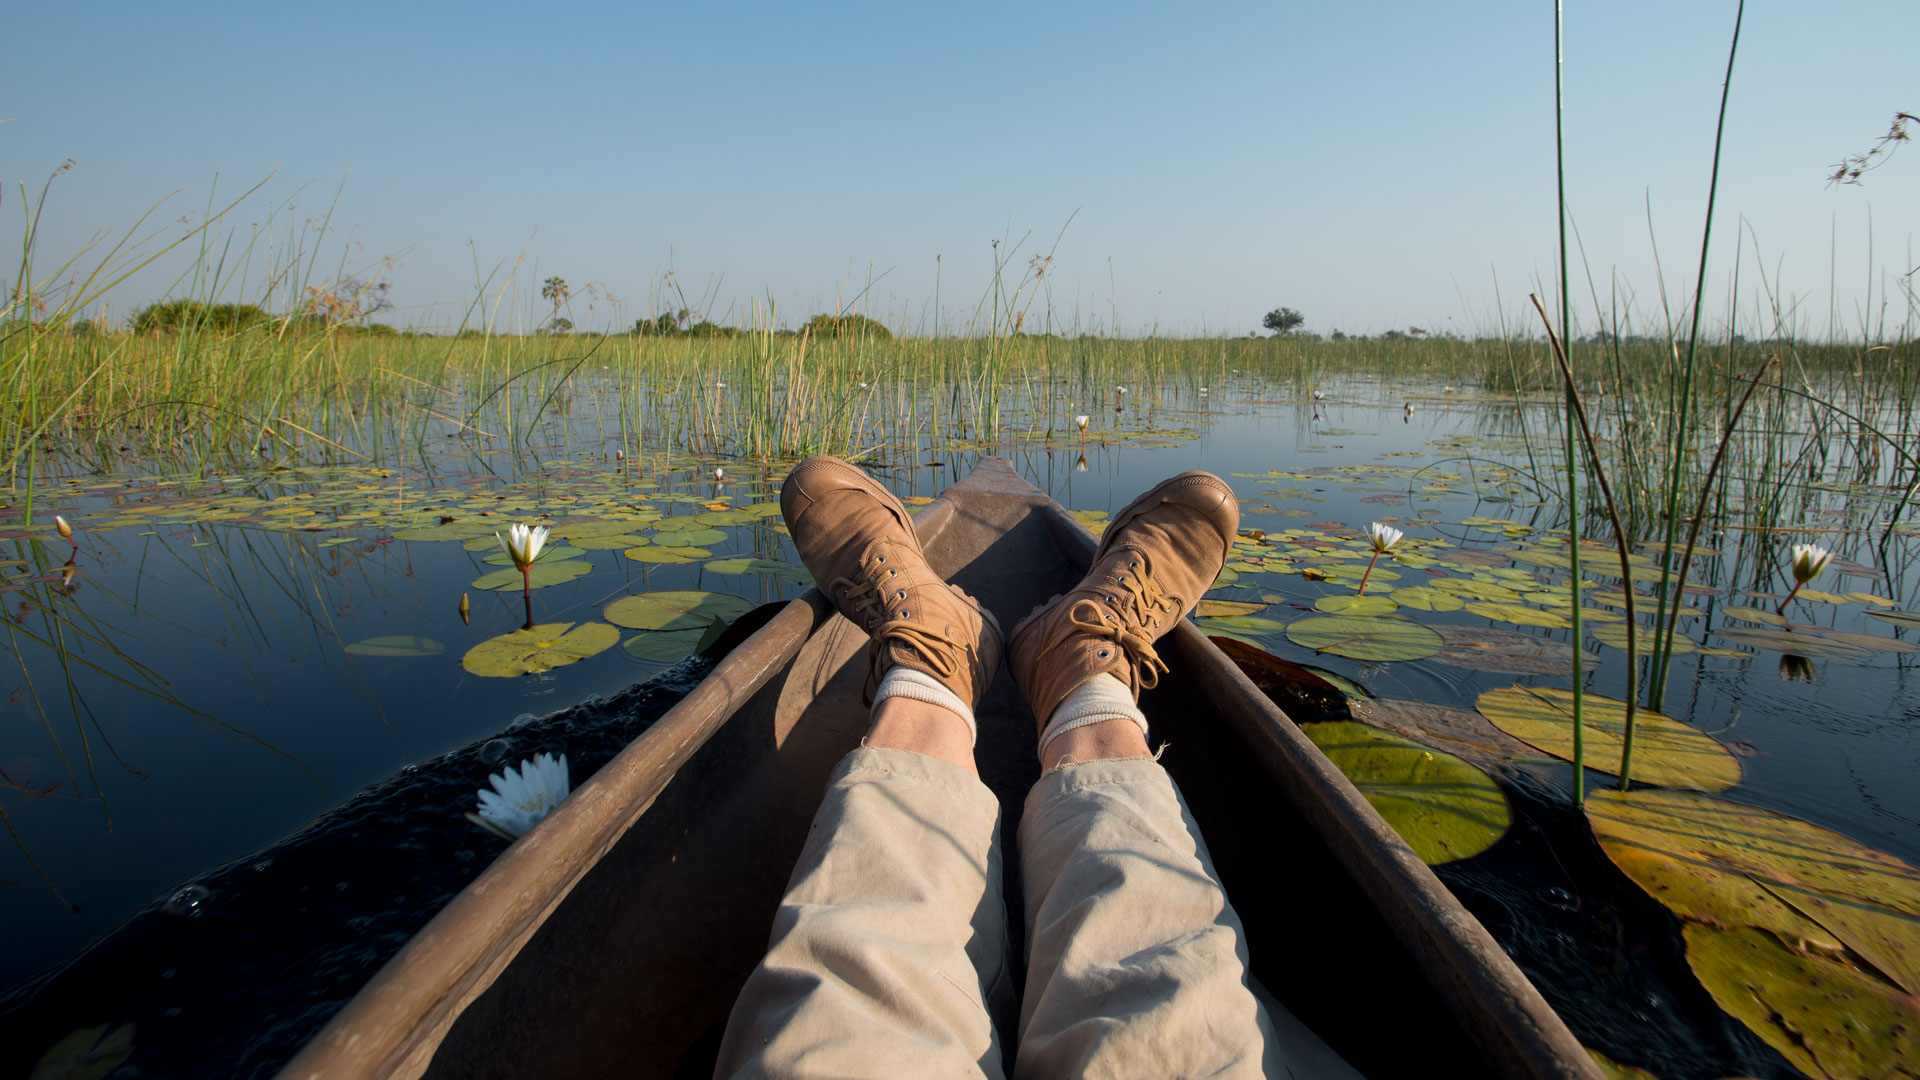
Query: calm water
point(184, 693)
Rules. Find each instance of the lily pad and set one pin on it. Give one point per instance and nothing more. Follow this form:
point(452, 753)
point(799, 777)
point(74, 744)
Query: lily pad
point(1615, 634)
point(795, 574)
point(1365, 637)
point(1444, 808)
point(1258, 624)
point(1827, 1018)
point(555, 554)
point(1303, 693)
point(660, 553)
point(677, 609)
point(1720, 862)
point(1812, 646)
point(1421, 598)
point(1356, 605)
point(673, 646)
point(611, 541)
point(91, 1053)
point(1520, 615)
point(548, 645)
point(692, 537)
point(1508, 652)
point(397, 645)
point(1666, 751)
point(1221, 608)
point(1754, 615)
point(1898, 618)
point(544, 574)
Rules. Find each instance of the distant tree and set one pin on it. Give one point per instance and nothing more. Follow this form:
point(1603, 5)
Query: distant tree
point(1283, 320)
point(555, 292)
point(562, 326)
point(170, 316)
point(847, 326)
point(1338, 336)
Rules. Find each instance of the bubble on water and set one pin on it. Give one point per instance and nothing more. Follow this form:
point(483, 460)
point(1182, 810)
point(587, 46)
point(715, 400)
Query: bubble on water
point(494, 751)
point(1562, 899)
point(521, 721)
point(409, 769)
point(188, 901)
point(262, 865)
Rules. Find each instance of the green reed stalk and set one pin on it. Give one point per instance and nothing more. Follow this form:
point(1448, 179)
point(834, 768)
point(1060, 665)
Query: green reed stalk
point(1573, 403)
point(1663, 649)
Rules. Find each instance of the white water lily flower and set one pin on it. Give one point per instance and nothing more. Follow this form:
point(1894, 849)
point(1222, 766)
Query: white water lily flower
point(66, 530)
point(1383, 537)
point(1319, 395)
point(521, 797)
point(523, 544)
point(1123, 389)
point(719, 474)
point(1808, 561)
point(1082, 421)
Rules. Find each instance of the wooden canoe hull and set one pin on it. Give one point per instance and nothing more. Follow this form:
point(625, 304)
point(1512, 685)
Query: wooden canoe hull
point(614, 936)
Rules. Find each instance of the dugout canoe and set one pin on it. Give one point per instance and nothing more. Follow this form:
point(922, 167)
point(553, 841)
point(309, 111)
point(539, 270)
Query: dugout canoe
point(613, 937)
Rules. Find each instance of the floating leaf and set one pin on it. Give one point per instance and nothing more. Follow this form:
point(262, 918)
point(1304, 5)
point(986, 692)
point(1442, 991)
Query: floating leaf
point(1221, 608)
point(1461, 732)
point(1227, 577)
point(1871, 641)
point(680, 524)
point(1666, 751)
point(1356, 605)
point(677, 609)
point(555, 554)
point(544, 573)
point(1421, 598)
point(1365, 637)
point(611, 542)
point(1825, 1017)
point(1258, 624)
point(1520, 615)
point(1613, 1070)
point(1353, 690)
point(1508, 652)
point(397, 645)
point(1869, 599)
point(91, 1053)
point(692, 538)
point(796, 574)
point(1732, 865)
point(1815, 646)
point(1444, 808)
point(549, 645)
point(673, 646)
point(1898, 618)
point(1754, 615)
point(660, 553)
point(1301, 692)
point(1615, 634)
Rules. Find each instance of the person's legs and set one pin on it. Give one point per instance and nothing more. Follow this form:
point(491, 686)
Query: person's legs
point(889, 951)
point(1137, 963)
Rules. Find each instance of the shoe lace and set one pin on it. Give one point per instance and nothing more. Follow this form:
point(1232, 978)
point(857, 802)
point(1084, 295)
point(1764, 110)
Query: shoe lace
point(1129, 623)
point(941, 654)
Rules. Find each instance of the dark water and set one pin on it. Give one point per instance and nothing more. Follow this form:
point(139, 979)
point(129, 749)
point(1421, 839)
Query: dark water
point(183, 698)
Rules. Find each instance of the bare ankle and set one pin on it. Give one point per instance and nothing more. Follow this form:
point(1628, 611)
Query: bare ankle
point(1120, 738)
point(902, 723)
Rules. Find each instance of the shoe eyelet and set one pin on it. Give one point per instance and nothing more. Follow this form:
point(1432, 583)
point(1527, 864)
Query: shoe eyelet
point(905, 614)
point(882, 559)
point(1103, 654)
point(1122, 579)
point(1111, 600)
point(893, 573)
point(900, 595)
point(1133, 564)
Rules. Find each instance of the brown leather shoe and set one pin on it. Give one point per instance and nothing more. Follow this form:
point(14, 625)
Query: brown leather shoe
point(858, 542)
point(1155, 559)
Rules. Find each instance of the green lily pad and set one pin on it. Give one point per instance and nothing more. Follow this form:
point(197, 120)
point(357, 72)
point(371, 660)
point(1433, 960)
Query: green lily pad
point(1520, 615)
point(796, 574)
point(548, 645)
point(1508, 652)
point(660, 553)
point(1615, 634)
point(1421, 598)
point(1365, 637)
point(1754, 615)
point(1812, 646)
point(717, 518)
point(1723, 863)
point(1444, 808)
point(91, 1053)
point(544, 574)
point(1356, 605)
point(692, 537)
point(1226, 608)
point(1227, 577)
point(675, 609)
point(555, 554)
point(1898, 618)
point(1666, 751)
point(397, 645)
point(1876, 642)
point(673, 646)
point(680, 524)
point(611, 541)
point(1258, 624)
point(1824, 1016)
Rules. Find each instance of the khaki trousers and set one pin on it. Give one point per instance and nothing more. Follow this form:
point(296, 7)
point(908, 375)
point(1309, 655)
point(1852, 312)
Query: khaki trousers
point(889, 953)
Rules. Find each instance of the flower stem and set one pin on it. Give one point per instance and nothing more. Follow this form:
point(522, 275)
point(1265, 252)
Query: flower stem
point(1368, 574)
point(1782, 610)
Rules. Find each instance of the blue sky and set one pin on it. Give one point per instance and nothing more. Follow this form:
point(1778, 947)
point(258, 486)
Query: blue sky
point(1372, 165)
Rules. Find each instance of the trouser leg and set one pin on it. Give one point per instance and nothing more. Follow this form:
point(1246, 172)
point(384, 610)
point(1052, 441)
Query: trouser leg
point(1137, 964)
point(889, 952)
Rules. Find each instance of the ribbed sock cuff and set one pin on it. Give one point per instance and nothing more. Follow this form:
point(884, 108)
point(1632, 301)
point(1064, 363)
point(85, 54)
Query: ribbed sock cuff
point(1103, 697)
point(905, 682)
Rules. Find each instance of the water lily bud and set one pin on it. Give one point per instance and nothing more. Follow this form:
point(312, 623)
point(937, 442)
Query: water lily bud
point(1082, 421)
point(465, 610)
point(66, 530)
point(1808, 561)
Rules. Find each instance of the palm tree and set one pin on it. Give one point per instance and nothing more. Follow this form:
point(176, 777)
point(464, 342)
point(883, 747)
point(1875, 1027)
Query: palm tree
point(555, 292)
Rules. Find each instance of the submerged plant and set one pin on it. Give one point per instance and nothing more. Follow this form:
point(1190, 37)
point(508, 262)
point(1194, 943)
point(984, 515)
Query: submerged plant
point(522, 797)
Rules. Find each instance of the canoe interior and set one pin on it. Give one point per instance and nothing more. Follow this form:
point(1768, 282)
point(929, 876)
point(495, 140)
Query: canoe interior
point(637, 968)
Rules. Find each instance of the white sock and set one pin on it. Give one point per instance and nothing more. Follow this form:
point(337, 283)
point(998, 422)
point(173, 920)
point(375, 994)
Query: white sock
point(1103, 697)
point(902, 681)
